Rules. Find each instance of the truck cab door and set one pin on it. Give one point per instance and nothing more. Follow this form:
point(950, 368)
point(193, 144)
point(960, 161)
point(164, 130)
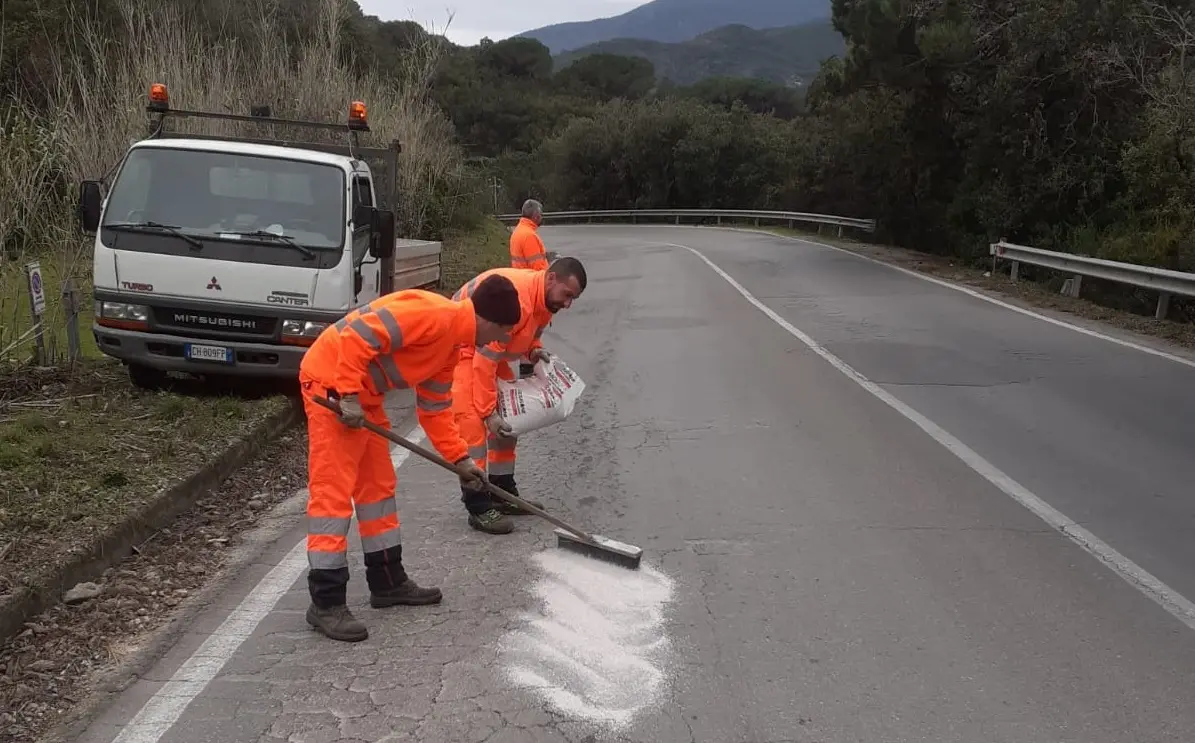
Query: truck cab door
point(366, 267)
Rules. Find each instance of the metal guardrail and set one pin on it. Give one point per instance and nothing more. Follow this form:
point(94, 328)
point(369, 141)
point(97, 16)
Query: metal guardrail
point(867, 225)
point(416, 264)
point(1167, 283)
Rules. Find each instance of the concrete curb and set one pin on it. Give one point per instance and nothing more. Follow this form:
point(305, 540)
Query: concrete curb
point(118, 542)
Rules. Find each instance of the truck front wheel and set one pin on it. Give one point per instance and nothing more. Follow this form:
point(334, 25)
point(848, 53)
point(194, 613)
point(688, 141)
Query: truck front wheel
point(146, 377)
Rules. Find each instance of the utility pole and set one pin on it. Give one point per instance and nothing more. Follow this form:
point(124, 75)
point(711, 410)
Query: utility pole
point(496, 185)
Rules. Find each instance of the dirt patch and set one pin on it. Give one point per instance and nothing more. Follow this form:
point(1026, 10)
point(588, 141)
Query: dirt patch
point(80, 450)
point(51, 666)
point(1042, 294)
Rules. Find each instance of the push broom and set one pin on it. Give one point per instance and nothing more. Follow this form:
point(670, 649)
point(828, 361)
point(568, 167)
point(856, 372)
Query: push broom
point(568, 537)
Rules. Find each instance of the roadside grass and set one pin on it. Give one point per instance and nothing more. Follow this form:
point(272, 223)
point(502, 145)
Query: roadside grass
point(468, 252)
point(1040, 288)
point(79, 450)
point(16, 320)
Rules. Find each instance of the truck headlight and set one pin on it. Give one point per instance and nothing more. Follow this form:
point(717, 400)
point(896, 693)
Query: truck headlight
point(301, 332)
point(121, 313)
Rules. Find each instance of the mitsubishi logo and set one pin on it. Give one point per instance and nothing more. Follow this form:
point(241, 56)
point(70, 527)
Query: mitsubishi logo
point(214, 284)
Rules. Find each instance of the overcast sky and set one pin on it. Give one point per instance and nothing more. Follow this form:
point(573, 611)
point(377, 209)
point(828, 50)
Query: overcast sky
point(497, 19)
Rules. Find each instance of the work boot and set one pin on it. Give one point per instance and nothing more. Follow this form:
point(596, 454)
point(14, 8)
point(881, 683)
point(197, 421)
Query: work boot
point(407, 593)
point(491, 522)
point(337, 622)
point(507, 483)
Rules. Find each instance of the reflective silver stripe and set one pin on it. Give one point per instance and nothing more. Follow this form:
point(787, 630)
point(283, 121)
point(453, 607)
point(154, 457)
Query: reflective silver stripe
point(330, 525)
point(501, 468)
point(478, 452)
point(442, 388)
point(392, 328)
point(349, 316)
point(386, 540)
point(500, 444)
point(360, 328)
point(373, 511)
point(430, 405)
point(327, 560)
point(378, 376)
point(532, 258)
point(391, 369)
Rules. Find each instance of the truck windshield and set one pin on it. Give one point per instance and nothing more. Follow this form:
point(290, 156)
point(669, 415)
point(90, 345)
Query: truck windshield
point(231, 196)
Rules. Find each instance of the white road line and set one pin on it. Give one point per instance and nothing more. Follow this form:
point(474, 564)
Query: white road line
point(1165, 596)
point(980, 295)
point(167, 705)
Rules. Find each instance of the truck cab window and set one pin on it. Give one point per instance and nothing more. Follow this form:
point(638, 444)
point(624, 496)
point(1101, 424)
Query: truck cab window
point(214, 194)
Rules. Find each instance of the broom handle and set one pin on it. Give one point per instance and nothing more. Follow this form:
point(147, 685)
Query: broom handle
point(431, 456)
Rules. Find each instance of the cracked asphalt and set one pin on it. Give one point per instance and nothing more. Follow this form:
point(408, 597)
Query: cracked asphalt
point(839, 575)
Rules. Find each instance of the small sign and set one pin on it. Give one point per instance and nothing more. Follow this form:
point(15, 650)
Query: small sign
point(37, 290)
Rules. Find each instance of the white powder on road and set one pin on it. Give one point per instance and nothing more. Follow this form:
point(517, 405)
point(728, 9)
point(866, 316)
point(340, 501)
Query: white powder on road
point(594, 650)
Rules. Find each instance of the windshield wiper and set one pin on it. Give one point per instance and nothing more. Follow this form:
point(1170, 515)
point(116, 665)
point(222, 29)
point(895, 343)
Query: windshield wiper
point(284, 239)
point(156, 227)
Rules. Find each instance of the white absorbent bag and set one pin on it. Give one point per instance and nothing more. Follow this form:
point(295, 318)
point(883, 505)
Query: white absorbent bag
point(544, 398)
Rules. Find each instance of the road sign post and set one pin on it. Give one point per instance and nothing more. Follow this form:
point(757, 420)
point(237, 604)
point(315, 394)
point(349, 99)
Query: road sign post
point(37, 306)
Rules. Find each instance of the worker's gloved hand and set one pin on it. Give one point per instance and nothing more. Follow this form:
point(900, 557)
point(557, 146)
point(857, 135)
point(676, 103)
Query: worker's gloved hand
point(498, 426)
point(474, 477)
point(539, 354)
point(351, 413)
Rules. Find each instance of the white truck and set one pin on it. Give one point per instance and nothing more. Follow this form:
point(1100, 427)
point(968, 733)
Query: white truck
point(227, 255)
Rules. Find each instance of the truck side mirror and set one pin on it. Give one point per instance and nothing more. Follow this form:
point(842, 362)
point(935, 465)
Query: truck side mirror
point(91, 203)
point(383, 232)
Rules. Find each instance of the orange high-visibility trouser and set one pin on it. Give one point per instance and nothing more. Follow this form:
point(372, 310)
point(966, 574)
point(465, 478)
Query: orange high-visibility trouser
point(494, 455)
point(348, 468)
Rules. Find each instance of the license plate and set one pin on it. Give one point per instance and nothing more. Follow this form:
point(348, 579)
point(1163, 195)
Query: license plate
point(218, 354)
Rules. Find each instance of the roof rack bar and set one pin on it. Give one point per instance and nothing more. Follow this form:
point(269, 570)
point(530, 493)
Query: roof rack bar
point(359, 152)
point(327, 125)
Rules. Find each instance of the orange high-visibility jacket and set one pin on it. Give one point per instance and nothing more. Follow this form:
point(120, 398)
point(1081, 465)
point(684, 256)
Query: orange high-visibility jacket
point(410, 338)
point(526, 248)
point(492, 361)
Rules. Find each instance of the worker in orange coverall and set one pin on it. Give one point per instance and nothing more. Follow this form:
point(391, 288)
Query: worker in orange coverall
point(542, 294)
point(407, 339)
point(526, 248)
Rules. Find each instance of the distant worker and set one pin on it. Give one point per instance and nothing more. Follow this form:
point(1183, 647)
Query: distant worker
point(526, 248)
point(542, 294)
point(407, 339)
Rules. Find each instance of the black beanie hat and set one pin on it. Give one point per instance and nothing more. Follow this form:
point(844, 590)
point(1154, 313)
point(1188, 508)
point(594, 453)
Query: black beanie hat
point(496, 299)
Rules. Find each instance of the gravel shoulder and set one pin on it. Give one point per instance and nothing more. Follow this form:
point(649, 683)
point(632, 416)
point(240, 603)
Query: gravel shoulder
point(81, 450)
point(79, 453)
point(53, 668)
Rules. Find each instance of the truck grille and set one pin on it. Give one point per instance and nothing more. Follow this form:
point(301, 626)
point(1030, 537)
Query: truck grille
point(203, 323)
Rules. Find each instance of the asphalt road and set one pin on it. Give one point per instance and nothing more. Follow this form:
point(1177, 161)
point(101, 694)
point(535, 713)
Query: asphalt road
point(819, 567)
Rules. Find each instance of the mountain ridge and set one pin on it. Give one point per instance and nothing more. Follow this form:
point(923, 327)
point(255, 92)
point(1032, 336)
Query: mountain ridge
point(788, 56)
point(675, 21)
